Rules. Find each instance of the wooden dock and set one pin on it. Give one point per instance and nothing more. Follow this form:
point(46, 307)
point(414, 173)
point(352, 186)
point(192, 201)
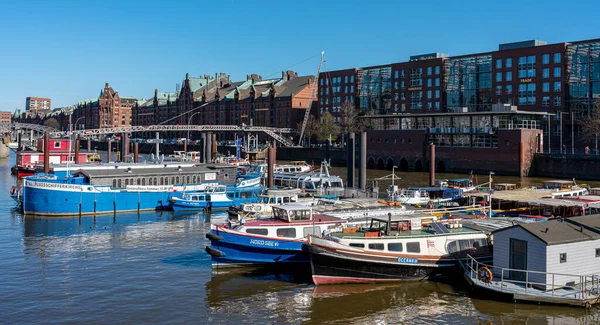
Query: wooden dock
point(583, 291)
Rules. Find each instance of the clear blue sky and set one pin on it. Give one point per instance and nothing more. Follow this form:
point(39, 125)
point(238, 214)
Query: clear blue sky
point(66, 50)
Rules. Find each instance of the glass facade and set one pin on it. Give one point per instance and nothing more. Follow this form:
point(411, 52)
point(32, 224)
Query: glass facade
point(583, 78)
point(375, 90)
point(469, 83)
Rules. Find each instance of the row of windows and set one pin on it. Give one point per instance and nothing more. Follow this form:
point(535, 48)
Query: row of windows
point(528, 60)
point(412, 247)
point(162, 180)
point(336, 80)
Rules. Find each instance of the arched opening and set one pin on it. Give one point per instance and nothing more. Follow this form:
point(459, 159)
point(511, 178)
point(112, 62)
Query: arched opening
point(403, 165)
point(418, 166)
point(441, 167)
point(390, 163)
point(380, 163)
point(371, 163)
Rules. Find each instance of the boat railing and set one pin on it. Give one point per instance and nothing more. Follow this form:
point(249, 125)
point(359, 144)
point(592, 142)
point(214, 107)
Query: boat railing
point(576, 286)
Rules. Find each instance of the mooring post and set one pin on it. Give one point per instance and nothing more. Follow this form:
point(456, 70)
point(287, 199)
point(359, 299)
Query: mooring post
point(77, 149)
point(46, 153)
point(271, 165)
point(89, 142)
point(431, 164)
point(350, 161)
point(362, 173)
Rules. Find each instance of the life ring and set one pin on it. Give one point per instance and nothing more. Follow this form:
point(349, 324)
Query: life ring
point(430, 205)
point(480, 216)
point(484, 275)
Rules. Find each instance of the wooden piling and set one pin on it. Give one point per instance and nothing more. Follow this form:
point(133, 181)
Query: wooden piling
point(431, 164)
point(46, 153)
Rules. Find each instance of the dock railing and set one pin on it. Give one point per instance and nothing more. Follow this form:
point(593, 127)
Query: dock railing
point(580, 287)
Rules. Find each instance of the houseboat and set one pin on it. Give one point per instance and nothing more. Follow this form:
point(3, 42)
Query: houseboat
point(266, 200)
point(313, 182)
point(565, 189)
point(61, 152)
point(463, 183)
point(215, 197)
point(272, 241)
point(396, 248)
point(91, 192)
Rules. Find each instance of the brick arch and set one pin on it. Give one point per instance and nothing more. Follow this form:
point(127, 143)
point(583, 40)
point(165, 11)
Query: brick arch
point(380, 163)
point(371, 163)
point(389, 163)
point(403, 164)
point(418, 165)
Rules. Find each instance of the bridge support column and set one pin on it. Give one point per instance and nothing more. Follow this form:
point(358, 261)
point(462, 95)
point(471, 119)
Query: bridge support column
point(213, 149)
point(125, 147)
point(109, 150)
point(208, 148)
point(203, 147)
point(135, 152)
point(351, 150)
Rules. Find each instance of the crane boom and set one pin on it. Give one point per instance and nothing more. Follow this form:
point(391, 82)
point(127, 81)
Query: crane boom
point(311, 98)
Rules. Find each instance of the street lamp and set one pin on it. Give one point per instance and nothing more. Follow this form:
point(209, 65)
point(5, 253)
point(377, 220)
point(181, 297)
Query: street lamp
point(75, 124)
point(491, 191)
point(188, 132)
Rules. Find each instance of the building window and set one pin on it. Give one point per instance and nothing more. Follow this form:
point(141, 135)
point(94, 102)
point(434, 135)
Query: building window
point(563, 257)
point(556, 57)
point(498, 76)
point(508, 63)
point(557, 86)
point(557, 130)
point(557, 101)
point(437, 94)
point(527, 94)
point(415, 77)
point(402, 73)
point(429, 94)
point(509, 89)
point(498, 63)
point(415, 99)
point(437, 82)
point(527, 66)
point(546, 59)
point(597, 251)
point(509, 76)
point(546, 87)
point(556, 72)
point(396, 74)
point(429, 71)
point(429, 106)
point(498, 90)
point(437, 106)
point(346, 79)
point(546, 101)
point(429, 83)
point(321, 82)
point(546, 73)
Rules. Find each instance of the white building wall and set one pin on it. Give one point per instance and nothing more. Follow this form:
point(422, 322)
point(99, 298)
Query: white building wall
point(536, 253)
point(581, 260)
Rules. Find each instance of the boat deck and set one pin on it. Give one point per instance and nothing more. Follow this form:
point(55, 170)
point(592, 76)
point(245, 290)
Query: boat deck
point(583, 292)
point(408, 233)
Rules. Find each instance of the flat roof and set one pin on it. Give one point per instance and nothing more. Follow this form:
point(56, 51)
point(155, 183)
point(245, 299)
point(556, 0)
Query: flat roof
point(169, 170)
point(563, 230)
point(520, 195)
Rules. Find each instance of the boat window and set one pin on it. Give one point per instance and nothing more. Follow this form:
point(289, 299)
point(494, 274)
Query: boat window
point(452, 247)
point(286, 232)
point(161, 180)
point(230, 195)
point(377, 246)
point(286, 200)
point(188, 179)
point(311, 231)
point(155, 179)
point(114, 183)
point(395, 247)
point(414, 247)
point(257, 231)
point(300, 215)
point(361, 245)
point(143, 181)
point(126, 182)
point(194, 179)
point(119, 184)
point(138, 181)
point(246, 195)
point(177, 180)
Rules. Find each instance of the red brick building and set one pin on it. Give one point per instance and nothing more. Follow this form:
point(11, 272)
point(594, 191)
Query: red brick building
point(217, 100)
point(109, 109)
point(35, 104)
point(5, 118)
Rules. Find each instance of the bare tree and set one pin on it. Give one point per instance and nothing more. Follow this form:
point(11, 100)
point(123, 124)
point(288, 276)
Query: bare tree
point(590, 127)
point(328, 128)
point(52, 122)
point(312, 128)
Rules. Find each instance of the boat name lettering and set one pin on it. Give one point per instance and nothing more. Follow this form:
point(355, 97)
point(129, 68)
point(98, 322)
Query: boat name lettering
point(54, 185)
point(408, 260)
point(263, 242)
point(137, 188)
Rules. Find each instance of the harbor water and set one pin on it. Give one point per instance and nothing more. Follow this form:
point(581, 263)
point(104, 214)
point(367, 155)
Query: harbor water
point(152, 268)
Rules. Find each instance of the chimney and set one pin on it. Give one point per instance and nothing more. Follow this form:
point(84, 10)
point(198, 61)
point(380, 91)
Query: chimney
point(187, 76)
point(282, 75)
point(106, 84)
point(155, 92)
point(247, 77)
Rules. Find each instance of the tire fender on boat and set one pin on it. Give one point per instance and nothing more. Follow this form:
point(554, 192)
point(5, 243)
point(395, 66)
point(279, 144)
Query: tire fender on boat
point(430, 205)
point(212, 236)
point(214, 252)
point(480, 216)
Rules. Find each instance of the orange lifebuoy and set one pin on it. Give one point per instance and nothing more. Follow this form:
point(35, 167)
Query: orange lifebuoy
point(480, 216)
point(484, 275)
point(429, 205)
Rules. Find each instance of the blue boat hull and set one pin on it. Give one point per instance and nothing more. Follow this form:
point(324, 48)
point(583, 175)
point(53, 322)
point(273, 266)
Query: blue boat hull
point(39, 201)
point(228, 249)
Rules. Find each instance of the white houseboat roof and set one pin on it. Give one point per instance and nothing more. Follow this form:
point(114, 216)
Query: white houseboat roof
point(564, 230)
point(558, 202)
point(158, 170)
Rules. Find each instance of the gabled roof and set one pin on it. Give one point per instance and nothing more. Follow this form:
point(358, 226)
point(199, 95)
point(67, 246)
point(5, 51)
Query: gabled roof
point(294, 85)
point(564, 230)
